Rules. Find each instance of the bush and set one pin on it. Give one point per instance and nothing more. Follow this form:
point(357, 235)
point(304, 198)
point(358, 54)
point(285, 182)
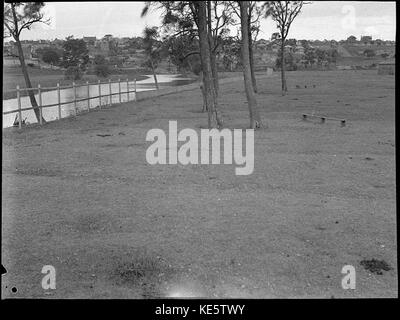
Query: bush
point(73, 73)
point(102, 70)
point(369, 53)
point(196, 69)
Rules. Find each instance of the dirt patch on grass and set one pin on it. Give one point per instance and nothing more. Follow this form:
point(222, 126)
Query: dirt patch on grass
point(145, 272)
point(376, 266)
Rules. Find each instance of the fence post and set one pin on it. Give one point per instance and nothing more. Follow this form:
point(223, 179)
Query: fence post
point(59, 101)
point(135, 89)
point(40, 105)
point(88, 95)
point(74, 87)
point(127, 88)
point(109, 85)
point(99, 94)
point(119, 89)
point(19, 108)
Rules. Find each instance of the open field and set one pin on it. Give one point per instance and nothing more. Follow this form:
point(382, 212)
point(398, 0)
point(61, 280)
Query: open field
point(321, 196)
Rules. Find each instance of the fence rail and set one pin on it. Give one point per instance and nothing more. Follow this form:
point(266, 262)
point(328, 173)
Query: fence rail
point(74, 86)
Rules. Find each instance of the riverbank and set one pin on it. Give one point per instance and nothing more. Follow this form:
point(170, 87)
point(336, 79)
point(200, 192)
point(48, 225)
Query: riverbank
point(12, 76)
point(78, 194)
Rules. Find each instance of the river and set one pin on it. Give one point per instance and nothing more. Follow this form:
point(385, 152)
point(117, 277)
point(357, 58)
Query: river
point(50, 97)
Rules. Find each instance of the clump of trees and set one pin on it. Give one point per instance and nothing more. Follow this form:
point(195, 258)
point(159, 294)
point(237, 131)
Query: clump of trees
point(208, 22)
point(50, 55)
point(75, 58)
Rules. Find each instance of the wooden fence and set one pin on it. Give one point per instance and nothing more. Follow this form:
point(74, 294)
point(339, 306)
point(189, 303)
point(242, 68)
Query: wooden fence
point(40, 89)
point(140, 95)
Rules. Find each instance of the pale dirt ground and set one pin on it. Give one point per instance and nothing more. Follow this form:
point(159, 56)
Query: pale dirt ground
point(321, 196)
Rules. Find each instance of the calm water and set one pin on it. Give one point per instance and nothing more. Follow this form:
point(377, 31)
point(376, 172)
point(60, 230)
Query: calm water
point(50, 97)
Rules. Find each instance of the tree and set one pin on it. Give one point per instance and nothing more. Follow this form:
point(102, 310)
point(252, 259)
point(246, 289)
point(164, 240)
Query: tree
point(183, 51)
point(75, 57)
point(289, 61)
point(321, 55)
point(200, 11)
point(152, 50)
point(187, 18)
point(255, 11)
point(17, 17)
point(310, 55)
point(101, 67)
point(351, 39)
point(255, 120)
point(49, 55)
point(180, 18)
point(284, 13)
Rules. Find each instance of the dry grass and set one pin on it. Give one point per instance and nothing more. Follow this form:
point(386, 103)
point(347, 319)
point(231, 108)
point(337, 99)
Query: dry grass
point(321, 196)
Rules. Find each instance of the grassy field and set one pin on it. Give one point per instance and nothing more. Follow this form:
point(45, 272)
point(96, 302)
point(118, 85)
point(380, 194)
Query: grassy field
point(321, 196)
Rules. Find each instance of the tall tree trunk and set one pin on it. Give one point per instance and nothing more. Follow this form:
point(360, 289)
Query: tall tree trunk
point(284, 87)
point(214, 118)
point(251, 54)
point(255, 120)
point(31, 93)
point(203, 91)
point(211, 44)
point(154, 74)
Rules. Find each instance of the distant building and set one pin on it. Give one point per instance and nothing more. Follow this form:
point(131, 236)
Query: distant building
point(288, 48)
point(366, 40)
point(104, 46)
point(300, 49)
point(107, 37)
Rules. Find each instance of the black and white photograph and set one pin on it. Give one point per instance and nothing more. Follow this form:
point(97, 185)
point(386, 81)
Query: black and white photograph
point(187, 150)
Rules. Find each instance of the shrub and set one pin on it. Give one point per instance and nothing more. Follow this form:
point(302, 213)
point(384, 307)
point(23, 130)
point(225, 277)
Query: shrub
point(369, 53)
point(196, 69)
point(73, 73)
point(102, 70)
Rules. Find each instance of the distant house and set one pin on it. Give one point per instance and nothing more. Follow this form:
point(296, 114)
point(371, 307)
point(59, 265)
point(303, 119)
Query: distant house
point(366, 40)
point(300, 50)
point(107, 37)
point(289, 48)
point(104, 46)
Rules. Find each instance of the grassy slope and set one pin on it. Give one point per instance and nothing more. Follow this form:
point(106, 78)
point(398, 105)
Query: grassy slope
point(321, 196)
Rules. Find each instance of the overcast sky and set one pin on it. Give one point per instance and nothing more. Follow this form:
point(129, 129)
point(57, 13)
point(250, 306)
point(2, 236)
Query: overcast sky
point(319, 20)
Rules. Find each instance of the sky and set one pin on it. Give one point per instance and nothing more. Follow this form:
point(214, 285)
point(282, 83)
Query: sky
point(319, 20)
